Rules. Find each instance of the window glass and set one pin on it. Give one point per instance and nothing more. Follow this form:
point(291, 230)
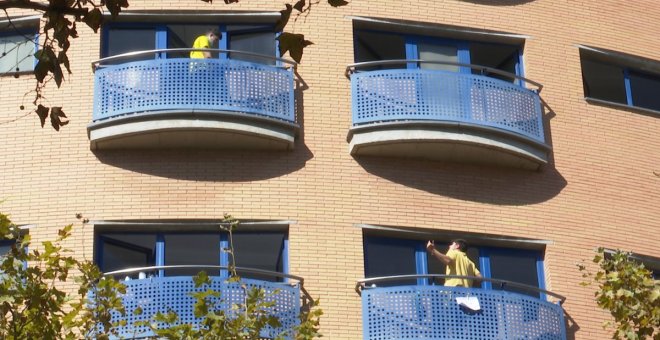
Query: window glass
point(192, 249)
point(437, 267)
point(645, 89)
point(125, 40)
point(389, 257)
point(260, 250)
point(17, 53)
point(603, 81)
point(500, 57)
point(254, 42)
point(514, 265)
point(436, 52)
point(374, 46)
point(124, 251)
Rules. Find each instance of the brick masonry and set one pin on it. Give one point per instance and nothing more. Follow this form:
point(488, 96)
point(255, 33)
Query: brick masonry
point(598, 190)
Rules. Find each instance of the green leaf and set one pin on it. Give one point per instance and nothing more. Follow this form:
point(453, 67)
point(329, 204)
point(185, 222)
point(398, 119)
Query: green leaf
point(337, 3)
point(201, 278)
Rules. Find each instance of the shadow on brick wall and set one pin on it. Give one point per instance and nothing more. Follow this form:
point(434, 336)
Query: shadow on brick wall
point(486, 184)
point(209, 165)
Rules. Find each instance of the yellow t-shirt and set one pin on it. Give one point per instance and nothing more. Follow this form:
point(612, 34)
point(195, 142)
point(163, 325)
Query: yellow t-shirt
point(462, 266)
point(201, 42)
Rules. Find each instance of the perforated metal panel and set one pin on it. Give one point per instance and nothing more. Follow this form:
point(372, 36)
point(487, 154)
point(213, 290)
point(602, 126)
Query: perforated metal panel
point(391, 95)
point(431, 312)
point(193, 84)
point(166, 294)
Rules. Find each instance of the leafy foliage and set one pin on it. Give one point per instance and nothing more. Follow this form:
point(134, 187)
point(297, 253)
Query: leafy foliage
point(627, 290)
point(246, 320)
point(61, 18)
point(32, 303)
point(34, 306)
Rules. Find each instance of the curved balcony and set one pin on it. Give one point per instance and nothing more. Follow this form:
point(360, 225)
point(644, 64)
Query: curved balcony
point(438, 312)
point(443, 115)
point(193, 103)
point(172, 293)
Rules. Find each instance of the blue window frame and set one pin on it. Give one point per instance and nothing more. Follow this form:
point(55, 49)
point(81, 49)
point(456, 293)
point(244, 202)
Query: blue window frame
point(617, 83)
point(266, 250)
point(387, 256)
point(371, 45)
point(17, 48)
point(121, 38)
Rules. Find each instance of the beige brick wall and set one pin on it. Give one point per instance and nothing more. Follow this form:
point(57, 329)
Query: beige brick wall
point(599, 189)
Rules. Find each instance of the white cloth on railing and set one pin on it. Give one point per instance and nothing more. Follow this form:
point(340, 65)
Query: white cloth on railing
point(469, 302)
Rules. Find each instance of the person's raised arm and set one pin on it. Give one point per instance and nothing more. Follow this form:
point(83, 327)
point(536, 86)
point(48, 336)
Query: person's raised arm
point(430, 247)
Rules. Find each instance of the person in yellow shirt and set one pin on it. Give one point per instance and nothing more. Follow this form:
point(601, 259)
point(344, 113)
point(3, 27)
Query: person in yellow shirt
point(206, 40)
point(456, 262)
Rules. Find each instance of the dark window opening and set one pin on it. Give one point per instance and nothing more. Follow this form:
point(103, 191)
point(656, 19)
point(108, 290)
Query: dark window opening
point(644, 89)
point(260, 250)
point(126, 40)
point(123, 251)
point(603, 81)
point(192, 249)
point(389, 257)
point(439, 53)
point(376, 46)
point(516, 266)
point(264, 250)
point(500, 57)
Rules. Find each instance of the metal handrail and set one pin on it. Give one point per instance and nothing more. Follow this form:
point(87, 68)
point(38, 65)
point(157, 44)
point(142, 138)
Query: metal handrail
point(353, 68)
point(96, 64)
point(307, 298)
point(241, 269)
point(362, 284)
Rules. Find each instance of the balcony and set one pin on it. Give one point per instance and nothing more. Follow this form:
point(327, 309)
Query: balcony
point(193, 103)
point(433, 312)
point(443, 115)
point(154, 292)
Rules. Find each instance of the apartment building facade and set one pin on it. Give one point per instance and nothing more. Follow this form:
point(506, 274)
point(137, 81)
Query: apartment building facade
point(528, 128)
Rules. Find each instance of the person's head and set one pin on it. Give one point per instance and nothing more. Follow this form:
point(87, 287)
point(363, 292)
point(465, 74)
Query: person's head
point(459, 244)
point(214, 35)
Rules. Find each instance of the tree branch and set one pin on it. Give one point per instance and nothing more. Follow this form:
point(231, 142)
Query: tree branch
point(42, 7)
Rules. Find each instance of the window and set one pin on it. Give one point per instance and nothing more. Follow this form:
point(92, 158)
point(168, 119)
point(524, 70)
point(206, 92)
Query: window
point(380, 46)
point(612, 80)
point(17, 51)
point(122, 38)
point(386, 256)
point(265, 250)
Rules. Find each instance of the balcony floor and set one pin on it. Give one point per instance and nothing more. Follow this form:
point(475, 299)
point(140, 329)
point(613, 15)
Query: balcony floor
point(447, 142)
point(192, 130)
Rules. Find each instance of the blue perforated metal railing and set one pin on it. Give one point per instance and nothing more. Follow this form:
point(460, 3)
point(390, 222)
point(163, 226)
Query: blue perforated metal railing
point(442, 96)
point(433, 312)
point(172, 293)
point(193, 85)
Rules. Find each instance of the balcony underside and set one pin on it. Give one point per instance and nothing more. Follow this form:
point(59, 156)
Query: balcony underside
point(184, 129)
point(447, 141)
